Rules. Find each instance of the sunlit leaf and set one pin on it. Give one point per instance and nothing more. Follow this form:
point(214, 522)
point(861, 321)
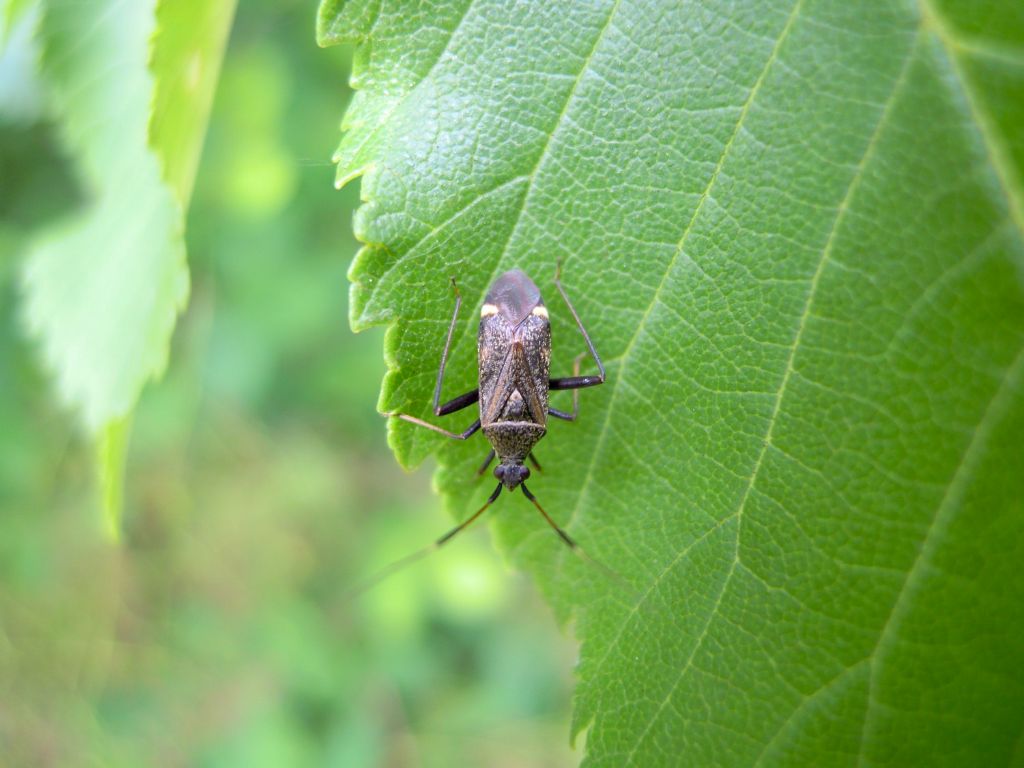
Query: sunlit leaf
point(11, 13)
point(187, 53)
point(102, 290)
point(794, 230)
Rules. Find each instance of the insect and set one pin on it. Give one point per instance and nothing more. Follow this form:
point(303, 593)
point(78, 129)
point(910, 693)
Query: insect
point(514, 354)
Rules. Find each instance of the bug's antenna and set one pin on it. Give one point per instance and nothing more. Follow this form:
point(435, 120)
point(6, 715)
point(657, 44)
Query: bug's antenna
point(575, 547)
point(398, 565)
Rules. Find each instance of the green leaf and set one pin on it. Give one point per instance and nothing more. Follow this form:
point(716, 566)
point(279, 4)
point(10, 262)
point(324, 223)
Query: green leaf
point(111, 454)
point(102, 291)
point(11, 13)
point(187, 54)
point(794, 230)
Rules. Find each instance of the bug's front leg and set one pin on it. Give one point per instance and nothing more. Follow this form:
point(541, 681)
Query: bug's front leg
point(461, 401)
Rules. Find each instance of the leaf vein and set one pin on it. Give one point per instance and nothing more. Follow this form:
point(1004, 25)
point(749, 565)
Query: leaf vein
point(435, 228)
point(994, 147)
point(801, 326)
point(689, 659)
point(1004, 394)
point(679, 250)
point(806, 701)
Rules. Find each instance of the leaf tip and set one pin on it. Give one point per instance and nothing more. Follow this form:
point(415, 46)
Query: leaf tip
point(111, 454)
point(349, 173)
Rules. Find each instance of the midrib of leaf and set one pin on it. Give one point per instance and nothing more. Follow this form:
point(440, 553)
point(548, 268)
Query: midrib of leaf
point(738, 514)
point(870, 658)
point(993, 145)
point(625, 357)
point(635, 609)
point(996, 407)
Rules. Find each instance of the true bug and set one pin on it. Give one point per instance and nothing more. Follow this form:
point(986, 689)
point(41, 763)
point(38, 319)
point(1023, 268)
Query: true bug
point(514, 360)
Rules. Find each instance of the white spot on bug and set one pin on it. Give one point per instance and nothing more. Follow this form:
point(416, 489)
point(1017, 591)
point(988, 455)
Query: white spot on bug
point(540, 311)
point(487, 310)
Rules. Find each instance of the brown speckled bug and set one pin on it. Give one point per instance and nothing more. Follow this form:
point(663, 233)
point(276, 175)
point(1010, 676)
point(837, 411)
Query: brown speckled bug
point(514, 351)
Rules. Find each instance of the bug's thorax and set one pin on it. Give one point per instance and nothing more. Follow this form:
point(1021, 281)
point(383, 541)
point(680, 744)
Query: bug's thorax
point(514, 346)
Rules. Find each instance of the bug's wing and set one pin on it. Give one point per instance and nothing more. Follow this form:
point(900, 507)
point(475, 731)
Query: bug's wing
point(493, 343)
point(499, 389)
point(527, 386)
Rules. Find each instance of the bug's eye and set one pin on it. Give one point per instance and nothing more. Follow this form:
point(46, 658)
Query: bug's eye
point(524, 473)
point(499, 471)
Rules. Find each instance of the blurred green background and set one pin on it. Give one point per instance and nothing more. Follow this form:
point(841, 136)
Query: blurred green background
point(259, 487)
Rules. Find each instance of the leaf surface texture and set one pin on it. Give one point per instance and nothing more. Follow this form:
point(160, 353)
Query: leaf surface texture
point(794, 231)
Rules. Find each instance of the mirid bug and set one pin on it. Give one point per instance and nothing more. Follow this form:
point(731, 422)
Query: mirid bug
point(514, 361)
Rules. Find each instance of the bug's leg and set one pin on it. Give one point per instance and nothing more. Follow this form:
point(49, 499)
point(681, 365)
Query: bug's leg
point(486, 464)
point(400, 565)
point(463, 400)
point(575, 395)
point(472, 428)
point(465, 523)
point(576, 381)
point(558, 529)
point(571, 542)
point(451, 406)
point(456, 404)
point(536, 464)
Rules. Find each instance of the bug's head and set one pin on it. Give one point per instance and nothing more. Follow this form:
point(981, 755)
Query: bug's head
point(511, 475)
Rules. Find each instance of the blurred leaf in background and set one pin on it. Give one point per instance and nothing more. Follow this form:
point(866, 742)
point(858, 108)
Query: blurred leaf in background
point(107, 69)
point(259, 488)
